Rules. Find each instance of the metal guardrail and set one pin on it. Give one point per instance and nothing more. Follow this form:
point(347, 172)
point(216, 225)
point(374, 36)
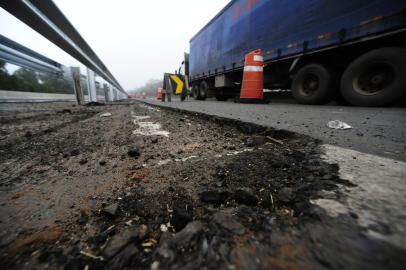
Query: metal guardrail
point(46, 18)
point(15, 53)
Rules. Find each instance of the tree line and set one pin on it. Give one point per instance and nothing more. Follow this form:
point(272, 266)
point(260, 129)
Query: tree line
point(150, 87)
point(27, 80)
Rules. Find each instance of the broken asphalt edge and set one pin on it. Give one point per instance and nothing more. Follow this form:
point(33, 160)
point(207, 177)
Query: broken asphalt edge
point(247, 127)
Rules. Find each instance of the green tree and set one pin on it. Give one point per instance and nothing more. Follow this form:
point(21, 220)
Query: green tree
point(51, 83)
point(27, 80)
point(3, 69)
point(7, 81)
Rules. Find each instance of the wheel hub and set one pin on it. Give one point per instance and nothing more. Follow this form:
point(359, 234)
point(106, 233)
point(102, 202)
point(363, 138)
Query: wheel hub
point(377, 79)
point(374, 79)
point(310, 84)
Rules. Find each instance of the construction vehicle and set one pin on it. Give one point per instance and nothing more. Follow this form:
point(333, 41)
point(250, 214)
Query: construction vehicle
point(351, 51)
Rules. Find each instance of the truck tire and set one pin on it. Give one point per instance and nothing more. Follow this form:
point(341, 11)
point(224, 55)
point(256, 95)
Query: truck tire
point(195, 92)
point(203, 89)
point(313, 84)
point(376, 78)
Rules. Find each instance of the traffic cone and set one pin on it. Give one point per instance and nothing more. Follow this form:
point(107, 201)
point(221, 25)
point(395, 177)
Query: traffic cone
point(159, 94)
point(252, 90)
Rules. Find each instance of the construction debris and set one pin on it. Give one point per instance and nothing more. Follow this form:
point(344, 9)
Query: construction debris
point(337, 124)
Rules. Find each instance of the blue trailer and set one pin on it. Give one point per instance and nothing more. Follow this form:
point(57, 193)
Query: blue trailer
point(320, 49)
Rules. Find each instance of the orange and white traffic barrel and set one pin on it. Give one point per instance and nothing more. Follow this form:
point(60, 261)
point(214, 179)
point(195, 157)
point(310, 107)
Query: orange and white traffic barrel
point(253, 79)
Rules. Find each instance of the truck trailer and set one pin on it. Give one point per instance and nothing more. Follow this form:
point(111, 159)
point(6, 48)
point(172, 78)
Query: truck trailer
point(351, 51)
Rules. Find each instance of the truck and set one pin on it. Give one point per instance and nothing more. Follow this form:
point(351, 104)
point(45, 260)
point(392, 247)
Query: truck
point(321, 50)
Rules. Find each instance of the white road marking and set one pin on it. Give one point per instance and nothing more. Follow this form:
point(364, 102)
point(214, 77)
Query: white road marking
point(186, 158)
point(142, 117)
point(147, 128)
point(379, 199)
point(164, 162)
point(333, 208)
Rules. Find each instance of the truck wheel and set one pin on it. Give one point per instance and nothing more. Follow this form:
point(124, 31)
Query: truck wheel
point(312, 84)
point(195, 92)
point(204, 87)
point(376, 78)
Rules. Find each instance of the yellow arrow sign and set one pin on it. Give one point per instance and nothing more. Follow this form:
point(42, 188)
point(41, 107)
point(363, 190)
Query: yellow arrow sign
point(179, 84)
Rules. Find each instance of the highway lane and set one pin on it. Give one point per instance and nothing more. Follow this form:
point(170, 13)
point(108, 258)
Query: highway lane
point(377, 131)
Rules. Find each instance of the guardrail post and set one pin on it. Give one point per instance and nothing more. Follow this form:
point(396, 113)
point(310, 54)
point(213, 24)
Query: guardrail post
point(91, 85)
point(111, 92)
point(115, 94)
point(80, 98)
point(106, 92)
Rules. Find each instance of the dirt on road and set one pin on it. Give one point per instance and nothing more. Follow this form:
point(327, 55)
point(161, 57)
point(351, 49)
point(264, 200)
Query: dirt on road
point(127, 186)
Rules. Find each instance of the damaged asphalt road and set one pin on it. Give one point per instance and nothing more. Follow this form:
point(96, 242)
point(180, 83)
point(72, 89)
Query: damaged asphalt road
point(377, 131)
point(149, 188)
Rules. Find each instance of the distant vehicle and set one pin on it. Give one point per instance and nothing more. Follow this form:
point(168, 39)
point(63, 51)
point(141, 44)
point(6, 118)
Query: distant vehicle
point(352, 51)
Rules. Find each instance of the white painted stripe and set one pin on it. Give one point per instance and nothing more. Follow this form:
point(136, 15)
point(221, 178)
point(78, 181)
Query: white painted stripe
point(147, 128)
point(253, 69)
point(378, 197)
point(258, 58)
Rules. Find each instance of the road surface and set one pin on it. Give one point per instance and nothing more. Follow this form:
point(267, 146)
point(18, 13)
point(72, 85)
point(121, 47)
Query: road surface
point(378, 131)
point(79, 189)
point(371, 155)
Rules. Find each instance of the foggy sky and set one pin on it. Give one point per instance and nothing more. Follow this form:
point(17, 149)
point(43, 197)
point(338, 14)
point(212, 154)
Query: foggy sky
point(137, 40)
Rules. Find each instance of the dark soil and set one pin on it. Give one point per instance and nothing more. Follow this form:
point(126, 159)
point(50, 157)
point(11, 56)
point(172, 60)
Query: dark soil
point(82, 191)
